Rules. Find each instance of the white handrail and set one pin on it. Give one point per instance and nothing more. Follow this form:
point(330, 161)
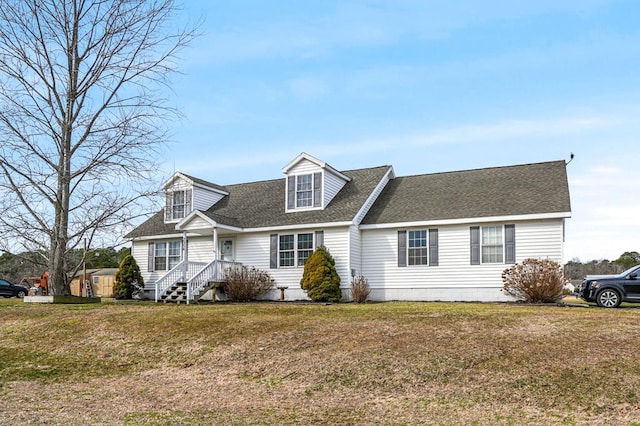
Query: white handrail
point(181, 272)
point(213, 271)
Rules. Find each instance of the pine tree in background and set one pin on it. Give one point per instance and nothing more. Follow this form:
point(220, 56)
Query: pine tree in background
point(320, 278)
point(128, 279)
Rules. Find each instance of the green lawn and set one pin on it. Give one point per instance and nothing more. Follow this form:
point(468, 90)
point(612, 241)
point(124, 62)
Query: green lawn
point(344, 364)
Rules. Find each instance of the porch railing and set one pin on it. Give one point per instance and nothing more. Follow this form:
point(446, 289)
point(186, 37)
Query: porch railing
point(213, 271)
point(182, 272)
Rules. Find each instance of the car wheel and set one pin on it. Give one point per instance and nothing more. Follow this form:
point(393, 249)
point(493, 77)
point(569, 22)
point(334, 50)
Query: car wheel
point(21, 294)
point(608, 298)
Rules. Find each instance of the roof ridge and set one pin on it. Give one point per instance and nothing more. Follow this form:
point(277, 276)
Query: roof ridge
point(478, 169)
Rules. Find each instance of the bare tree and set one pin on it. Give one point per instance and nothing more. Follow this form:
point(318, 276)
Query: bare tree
point(82, 116)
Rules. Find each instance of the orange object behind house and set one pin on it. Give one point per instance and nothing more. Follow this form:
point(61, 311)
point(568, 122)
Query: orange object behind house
point(43, 280)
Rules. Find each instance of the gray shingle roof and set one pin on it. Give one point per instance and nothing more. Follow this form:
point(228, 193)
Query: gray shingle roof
point(262, 204)
point(204, 182)
point(500, 191)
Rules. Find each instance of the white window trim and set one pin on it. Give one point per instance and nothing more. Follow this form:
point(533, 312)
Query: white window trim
point(167, 256)
point(187, 205)
point(502, 244)
point(426, 247)
point(296, 249)
point(297, 208)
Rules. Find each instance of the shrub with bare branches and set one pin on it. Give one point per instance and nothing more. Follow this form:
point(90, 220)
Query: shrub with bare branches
point(360, 289)
point(534, 280)
point(245, 284)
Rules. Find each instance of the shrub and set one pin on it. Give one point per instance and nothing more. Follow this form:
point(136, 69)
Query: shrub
point(534, 280)
point(128, 280)
point(360, 289)
point(244, 284)
point(320, 278)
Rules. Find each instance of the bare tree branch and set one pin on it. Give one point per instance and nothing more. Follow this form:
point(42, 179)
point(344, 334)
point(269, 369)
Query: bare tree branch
point(81, 118)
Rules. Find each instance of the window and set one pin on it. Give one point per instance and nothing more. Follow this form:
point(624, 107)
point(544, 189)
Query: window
point(491, 246)
point(418, 247)
point(167, 255)
point(178, 205)
point(287, 252)
point(304, 190)
point(294, 249)
point(96, 280)
point(305, 247)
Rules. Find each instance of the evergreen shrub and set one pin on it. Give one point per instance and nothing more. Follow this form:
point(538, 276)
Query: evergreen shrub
point(320, 278)
point(128, 280)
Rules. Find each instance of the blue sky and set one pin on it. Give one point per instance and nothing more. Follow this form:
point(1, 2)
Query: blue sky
point(426, 86)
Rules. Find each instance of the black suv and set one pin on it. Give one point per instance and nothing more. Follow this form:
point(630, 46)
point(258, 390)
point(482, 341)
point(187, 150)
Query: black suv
point(609, 291)
point(9, 289)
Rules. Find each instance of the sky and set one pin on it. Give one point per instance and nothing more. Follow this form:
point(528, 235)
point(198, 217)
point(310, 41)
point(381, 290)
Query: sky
point(426, 86)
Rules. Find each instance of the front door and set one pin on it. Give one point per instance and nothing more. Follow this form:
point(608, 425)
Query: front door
point(227, 249)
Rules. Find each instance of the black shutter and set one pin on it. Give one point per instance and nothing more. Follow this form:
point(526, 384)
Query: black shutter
point(151, 252)
point(291, 192)
point(510, 243)
point(273, 252)
point(402, 248)
point(317, 189)
point(319, 238)
point(475, 245)
point(433, 247)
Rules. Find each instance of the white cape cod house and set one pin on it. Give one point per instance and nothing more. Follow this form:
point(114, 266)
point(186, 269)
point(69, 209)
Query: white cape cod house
point(442, 236)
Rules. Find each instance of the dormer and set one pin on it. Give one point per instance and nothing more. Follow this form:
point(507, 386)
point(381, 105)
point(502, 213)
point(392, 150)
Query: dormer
point(184, 194)
point(311, 184)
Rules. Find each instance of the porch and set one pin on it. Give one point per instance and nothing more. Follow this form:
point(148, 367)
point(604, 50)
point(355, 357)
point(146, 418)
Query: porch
point(189, 281)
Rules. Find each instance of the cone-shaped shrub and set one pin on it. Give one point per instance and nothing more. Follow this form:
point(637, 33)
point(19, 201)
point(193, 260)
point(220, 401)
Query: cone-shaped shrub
point(128, 278)
point(320, 278)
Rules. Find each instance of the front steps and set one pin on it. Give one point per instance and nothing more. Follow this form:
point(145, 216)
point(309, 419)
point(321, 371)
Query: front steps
point(177, 293)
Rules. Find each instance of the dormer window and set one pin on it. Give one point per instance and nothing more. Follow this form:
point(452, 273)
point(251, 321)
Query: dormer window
point(311, 184)
point(304, 190)
point(178, 205)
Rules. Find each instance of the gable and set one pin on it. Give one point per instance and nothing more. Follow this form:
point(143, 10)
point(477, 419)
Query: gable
point(311, 183)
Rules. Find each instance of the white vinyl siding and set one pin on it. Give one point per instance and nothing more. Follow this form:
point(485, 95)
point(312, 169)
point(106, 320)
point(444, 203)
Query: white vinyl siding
point(454, 278)
point(254, 250)
point(332, 185)
point(204, 198)
point(355, 251)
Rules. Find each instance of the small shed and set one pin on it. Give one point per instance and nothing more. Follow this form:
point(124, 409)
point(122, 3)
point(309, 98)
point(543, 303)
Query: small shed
point(101, 281)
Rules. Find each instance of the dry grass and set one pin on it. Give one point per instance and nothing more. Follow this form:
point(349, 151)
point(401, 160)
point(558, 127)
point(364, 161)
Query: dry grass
point(290, 364)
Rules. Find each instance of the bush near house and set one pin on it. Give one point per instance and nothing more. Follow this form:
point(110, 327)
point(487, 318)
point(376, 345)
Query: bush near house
point(534, 280)
point(244, 284)
point(360, 289)
point(128, 279)
point(320, 278)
